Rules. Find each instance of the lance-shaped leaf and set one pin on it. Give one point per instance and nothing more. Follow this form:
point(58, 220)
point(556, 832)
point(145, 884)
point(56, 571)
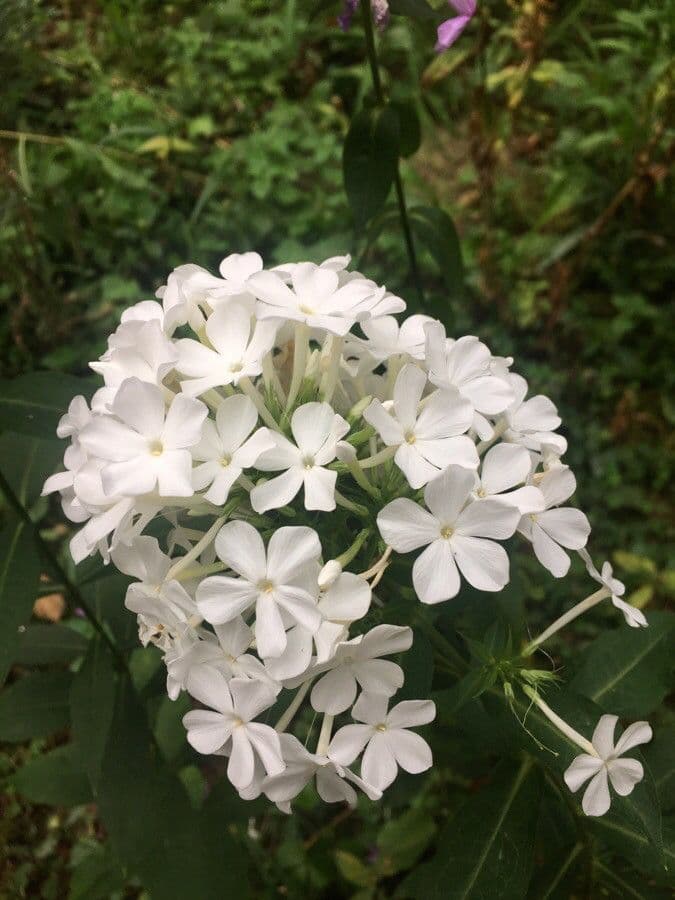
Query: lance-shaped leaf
point(488, 842)
point(369, 161)
point(92, 698)
point(40, 645)
point(34, 706)
point(54, 778)
point(629, 671)
point(34, 403)
point(19, 579)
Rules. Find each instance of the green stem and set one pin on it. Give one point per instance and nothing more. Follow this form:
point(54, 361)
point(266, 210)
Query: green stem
point(371, 50)
point(67, 584)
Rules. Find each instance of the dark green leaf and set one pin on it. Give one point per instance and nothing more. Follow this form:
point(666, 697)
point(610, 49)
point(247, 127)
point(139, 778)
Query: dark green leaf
point(436, 231)
point(54, 778)
point(629, 671)
point(34, 706)
point(26, 462)
point(410, 132)
point(415, 9)
point(175, 850)
point(418, 665)
point(92, 698)
point(19, 579)
point(97, 876)
point(370, 161)
point(40, 645)
point(404, 839)
point(660, 756)
point(106, 596)
point(34, 403)
point(489, 842)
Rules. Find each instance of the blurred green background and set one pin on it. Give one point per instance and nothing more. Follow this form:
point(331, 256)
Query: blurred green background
point(136, 135)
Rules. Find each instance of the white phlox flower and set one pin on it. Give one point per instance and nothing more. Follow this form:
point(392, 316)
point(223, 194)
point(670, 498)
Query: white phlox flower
point(556, 527)
point(267, 447)
point(633, 616)
point(386, 737)
point(229, 720)
point(454, 529)
point(427, 440)
point(607, 766)
point(316, 430)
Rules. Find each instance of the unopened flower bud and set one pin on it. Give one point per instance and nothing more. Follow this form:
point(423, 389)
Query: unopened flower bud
point(329, 574)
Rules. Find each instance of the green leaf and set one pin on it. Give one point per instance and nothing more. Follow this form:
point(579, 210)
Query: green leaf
point(106, 596)
point(436, 231)
point(92, 698)
point(34, 706)
point(409, 129)
point(370, 161)
point(404, 839)
point(175, 850)
point(414, 9)
point(661, 763)
point(418, 665)
point(489, 842)
point(54, 778)
point(169, 728)
point(628, 671)
point(97, 875)
point(19, 579)
point(26, 461)
point(34, 403)
point(353, 870)
point(41, 645)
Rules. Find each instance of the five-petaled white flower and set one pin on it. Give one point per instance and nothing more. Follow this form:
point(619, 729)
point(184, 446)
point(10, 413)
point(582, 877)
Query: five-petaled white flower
point(227, 447)
point(316, 429)
point(502, 468)
point(281, 583)
point(388, 742)
point(358, 661)
point(239, 348)
point(427, 440)
point(386, 338)
point(608, 766)
point(633, 616)
point(228, 725)
point(555, 528)
point(454, 533)
point(145, 444)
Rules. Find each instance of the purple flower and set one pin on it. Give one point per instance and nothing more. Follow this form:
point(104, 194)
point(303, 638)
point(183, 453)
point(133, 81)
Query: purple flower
point(380, 10)
point(450, 30)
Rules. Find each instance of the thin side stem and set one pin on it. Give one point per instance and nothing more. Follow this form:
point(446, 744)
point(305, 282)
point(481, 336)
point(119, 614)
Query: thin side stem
point(571, 614)
point(324, 735)
point(559, 723)
point(300, 348)
point(293, 706)
point(253, 394)
point(198, 548)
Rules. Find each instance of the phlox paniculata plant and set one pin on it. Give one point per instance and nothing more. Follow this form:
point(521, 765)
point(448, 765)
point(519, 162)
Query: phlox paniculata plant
point(294, 437)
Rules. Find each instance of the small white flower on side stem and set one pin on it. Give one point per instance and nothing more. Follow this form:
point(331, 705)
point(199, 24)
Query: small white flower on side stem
point(633, 616)
point(386, 737)
point(608, 767)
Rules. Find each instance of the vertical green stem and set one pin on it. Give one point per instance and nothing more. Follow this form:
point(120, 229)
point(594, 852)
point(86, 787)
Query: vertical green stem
point(371, 49)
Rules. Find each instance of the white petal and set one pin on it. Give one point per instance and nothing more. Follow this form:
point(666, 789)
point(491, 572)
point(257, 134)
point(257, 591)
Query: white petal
point(282, 455)
point(250, 451)
point(408, 391)
point(210, 687)
point(347, 599)
point(385, 424)
point(240, 546)
point(270, 635)
point(636, 734)
point(411, 752)
point(311, 424)
point(183, 424)
point(132, 477)
point(558, 485)
point(378, 766)
point(300, 605)
point(445, 414)
point(406, 526)
point(370, 708)
point(174, 473)
point(141, 406)
point(580, 770)
point(596, 798)
point(290, 549)
point(206, 731)
point(265, 742)
point(487, 518)
point(603, 736)
point(414, 466)
point(250, 698)
point(435, 577)
point(241, 767)
point(633, 616)
point(549, 554)
point(568, 527)
point(484, 564)
point(379, 676)
point(277, 491)
point(446, 495)
point(348, 742)
point(235, 419)
point(334, 692)
point(410, 713)
point(221, 598)
point(504, 466)
point(384, 640)
point(320, 489)
point(624, 774)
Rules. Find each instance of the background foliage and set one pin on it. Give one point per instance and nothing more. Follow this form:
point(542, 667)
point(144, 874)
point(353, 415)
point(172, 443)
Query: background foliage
point(137, 135)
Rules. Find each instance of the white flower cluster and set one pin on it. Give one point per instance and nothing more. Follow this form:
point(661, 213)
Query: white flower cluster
point(293, 395)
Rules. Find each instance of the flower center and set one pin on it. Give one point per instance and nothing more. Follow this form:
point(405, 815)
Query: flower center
point(410, 437)
point(481, 492)
point(236, 367)
point(447, 532)
point(156, 448)
point(225, 461)
point(266, 586)
point(533, 517)
point(381, 727)
point(307, 310)
point(308, 462)
point(237, 722)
